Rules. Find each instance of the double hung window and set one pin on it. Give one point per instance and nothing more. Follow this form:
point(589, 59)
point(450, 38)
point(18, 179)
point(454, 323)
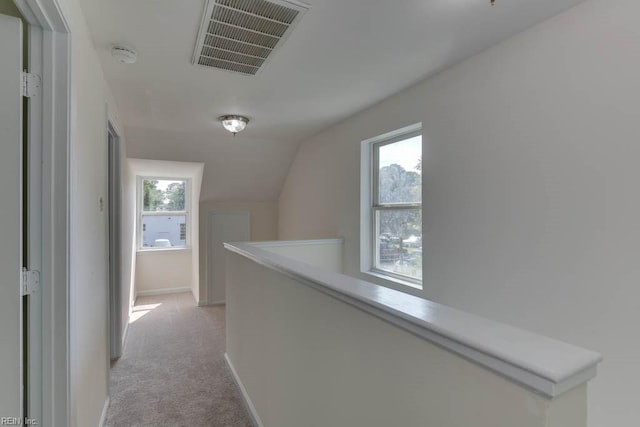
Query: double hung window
point(163, 213)
point(395, 211)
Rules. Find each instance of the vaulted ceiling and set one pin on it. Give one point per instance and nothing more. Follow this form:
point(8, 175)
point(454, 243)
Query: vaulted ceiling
point(343, 56)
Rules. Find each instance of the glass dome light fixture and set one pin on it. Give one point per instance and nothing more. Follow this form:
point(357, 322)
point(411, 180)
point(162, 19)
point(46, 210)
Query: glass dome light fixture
point(233, 122)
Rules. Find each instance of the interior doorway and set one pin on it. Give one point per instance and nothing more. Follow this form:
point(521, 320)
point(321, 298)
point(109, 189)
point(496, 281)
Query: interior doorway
point(13, 250)
point(114, 223)
point(45, 213)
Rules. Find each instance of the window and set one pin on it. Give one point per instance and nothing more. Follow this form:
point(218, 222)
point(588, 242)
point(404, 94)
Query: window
point(394, 204)
point(164, 216)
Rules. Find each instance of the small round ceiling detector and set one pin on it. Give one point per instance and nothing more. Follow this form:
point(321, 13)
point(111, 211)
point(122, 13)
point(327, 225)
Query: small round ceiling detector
point(124, 54)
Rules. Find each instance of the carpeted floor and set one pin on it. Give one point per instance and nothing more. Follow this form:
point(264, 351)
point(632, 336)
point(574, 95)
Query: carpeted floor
point(172, 371)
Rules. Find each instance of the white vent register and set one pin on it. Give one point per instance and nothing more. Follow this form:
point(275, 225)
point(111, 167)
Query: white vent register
point(240, 35)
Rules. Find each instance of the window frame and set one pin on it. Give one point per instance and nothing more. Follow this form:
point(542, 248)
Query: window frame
point(141, 213)
point(371, 206)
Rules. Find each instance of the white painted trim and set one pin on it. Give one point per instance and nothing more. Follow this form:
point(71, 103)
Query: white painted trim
point(58, 396)
point(13, 344)
point(282, 243)
point(114, 232)
point(545, 365)
point(125, 332)
point(397, 133)
point(367, 229)
point(391, 280)
point(243, 391)
point(103, 416)
point(113, 121)
point(366, 201)
point(167, 251)
point(54, 43)
point(187, 212)
point(209, 304)
point(162, 291)
point(35, 227)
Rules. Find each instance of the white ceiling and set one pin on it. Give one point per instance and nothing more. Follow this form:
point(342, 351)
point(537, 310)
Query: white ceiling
point(344, 56)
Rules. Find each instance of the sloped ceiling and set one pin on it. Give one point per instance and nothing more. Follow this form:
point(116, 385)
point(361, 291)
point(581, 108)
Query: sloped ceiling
point(344, 56)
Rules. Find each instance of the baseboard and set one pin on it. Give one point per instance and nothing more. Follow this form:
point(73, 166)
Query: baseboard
point(124, 335)
point(161, 291)
point(103, 417)
point(245, 396)
point(205, 303)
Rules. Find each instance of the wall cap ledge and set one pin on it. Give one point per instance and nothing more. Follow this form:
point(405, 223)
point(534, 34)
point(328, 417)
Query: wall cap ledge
point(545, 365)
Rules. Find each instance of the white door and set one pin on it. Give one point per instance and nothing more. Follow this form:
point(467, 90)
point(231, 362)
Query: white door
point(223, 227)
point(10, 217)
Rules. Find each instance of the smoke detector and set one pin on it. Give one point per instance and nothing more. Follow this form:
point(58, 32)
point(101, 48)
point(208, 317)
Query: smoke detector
point(124, 54)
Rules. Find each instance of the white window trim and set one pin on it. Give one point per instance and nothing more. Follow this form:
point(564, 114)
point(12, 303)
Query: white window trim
point(170, 250)
point(140, 212)
point(368, 195)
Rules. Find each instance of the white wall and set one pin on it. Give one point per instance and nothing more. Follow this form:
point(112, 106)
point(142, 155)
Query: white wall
point(530, 187)
point(163, 271)
point(323, 253)
point(89, 350)
point(308, 359)
point(263, 226)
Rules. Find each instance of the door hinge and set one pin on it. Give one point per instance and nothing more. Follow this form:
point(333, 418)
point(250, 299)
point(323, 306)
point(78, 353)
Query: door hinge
point(30, 84)
point(29, 282)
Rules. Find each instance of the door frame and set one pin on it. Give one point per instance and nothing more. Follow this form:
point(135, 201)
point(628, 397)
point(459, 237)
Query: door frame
point(115, 226)
point(49, 142)
point(13, 211)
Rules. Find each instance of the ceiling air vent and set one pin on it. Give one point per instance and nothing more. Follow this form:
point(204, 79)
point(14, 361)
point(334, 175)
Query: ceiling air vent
point(240, 35)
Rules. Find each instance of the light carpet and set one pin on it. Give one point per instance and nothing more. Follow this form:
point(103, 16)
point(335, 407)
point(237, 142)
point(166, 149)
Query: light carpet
point(172, 371)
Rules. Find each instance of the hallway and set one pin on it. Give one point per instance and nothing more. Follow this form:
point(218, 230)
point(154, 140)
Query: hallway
point(172, 371)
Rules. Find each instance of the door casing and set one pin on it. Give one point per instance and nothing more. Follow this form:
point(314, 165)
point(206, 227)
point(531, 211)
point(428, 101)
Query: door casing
point(50, 396)
point(11, 212)
point(114, 202)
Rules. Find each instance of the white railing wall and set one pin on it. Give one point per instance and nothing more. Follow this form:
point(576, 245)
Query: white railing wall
point(323, 253)
point(311, 347)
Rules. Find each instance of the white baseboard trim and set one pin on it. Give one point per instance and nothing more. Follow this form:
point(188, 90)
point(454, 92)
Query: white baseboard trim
point(124, 335)
point(245, 396)
point(162, 291)
point(205, 303)
point(103, 417)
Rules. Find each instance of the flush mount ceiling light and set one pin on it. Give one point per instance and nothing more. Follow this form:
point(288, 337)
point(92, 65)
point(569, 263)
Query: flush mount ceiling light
point(233, 122)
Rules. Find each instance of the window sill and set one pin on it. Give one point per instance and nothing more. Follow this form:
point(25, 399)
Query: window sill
point(395, 280)
point(150, 251)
